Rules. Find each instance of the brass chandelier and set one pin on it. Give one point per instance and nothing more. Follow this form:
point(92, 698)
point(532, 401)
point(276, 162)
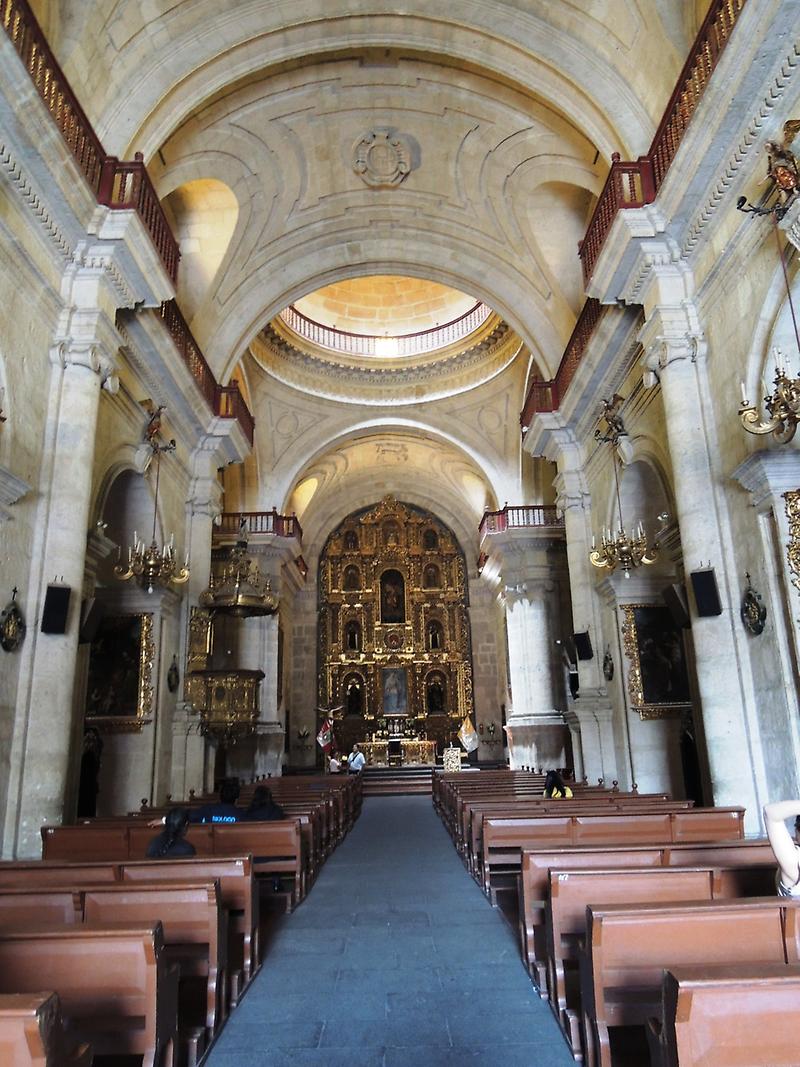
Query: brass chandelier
point(240, 589)
point(783, 404)
point(152, 565)
point(620, 549)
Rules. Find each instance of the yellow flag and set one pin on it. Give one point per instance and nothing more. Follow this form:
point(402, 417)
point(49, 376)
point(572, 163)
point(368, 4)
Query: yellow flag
point(467, 735)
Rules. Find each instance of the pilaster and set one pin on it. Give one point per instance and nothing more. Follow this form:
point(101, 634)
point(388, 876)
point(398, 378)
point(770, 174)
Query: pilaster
point(675, 356)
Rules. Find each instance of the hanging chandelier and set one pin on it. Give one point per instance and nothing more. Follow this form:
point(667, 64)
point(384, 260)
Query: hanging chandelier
point(152, 565)
point(240, 589)
point(783, 404)
point(620, 549)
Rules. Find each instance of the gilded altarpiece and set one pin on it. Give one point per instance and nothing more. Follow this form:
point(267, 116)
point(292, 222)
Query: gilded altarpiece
point(394, 637)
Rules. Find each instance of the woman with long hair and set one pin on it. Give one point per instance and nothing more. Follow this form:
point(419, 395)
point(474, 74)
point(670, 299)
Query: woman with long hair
point(170, 843)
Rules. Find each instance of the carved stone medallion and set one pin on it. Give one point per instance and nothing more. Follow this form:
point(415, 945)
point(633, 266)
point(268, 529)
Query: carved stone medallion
point(382, 157)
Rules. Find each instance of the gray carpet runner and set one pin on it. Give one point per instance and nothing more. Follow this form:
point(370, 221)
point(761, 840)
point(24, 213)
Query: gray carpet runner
point(395, 959)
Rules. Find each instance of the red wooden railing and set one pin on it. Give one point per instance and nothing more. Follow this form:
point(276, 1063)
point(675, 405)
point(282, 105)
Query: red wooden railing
point(261, 522)
point(116, 184)
point(519, 518)
point(636, 184)
point(224, 400)
point(547, 396)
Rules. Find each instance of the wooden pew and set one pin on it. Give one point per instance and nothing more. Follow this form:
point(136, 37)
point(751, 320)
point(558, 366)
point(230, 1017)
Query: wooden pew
point(114, 985)
point(191, 916)
point(192, 919)
point(627, 948)
point(623, 804)
point(238, 893)
point(32, 1033)
point(734, 1016)
point(571, 892)
point(504, 839)
point(536, 864)
point(277, 847)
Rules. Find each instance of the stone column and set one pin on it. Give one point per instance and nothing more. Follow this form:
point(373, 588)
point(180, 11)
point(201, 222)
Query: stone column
point(593, 708)
point(675, 356)
point(41, 743)
point(191, 765)
point(528, 561)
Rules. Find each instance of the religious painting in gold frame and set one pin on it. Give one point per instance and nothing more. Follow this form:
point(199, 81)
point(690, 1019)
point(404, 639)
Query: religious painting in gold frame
point(658, 677)
point(119, 688)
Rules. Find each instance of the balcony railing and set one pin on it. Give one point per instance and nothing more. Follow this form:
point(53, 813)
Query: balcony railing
point(410, 344)
point(636, 184)
point(116, 184)
point(260, 522)
point(547, 396)
point(534, 516)
point(224, 400)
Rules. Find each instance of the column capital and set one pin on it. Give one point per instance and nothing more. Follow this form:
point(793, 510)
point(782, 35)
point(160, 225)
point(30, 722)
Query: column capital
point(89, 355)
point(529, 590)
point(572, 491)
point(671, 336)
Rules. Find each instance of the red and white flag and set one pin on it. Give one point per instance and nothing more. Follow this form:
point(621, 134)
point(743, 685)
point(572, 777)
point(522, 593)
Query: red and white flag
point(325, 735)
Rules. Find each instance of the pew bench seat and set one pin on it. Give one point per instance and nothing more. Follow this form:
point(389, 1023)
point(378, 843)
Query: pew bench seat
point(733, 1016)
point(116, 991)
point(32, 1033)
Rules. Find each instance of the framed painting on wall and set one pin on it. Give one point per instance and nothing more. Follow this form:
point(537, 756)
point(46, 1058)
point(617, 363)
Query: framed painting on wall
point(658, 678)
point(394, 686)
point(119, 688)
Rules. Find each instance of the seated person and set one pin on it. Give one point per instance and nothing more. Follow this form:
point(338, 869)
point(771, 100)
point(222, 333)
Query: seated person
point(785, 845)
point(170, 843)
point(223, 811)
point(554, 786)
point(262, 807)
point(356, 760)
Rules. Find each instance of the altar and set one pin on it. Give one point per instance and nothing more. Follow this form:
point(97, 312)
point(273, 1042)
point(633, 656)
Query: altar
point(398, 751)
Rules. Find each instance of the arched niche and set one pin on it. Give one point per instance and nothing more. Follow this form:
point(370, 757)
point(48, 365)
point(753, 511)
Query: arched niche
point(393, 596)
point(643, 496)
point(354, 694)
point(204, 214)
point(434, 636)
point(431, 577)
point(128, 512)
point(436, 693)
point(353, 640)
point(351, 579)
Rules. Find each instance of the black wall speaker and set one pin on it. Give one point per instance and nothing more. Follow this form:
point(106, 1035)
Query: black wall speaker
point(706, 594)
point(675, 599)
point(56, 609)
point(583, 645)
point(91, 614)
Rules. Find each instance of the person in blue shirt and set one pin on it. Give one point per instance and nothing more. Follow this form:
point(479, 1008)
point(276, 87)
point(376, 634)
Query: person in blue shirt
point(224, 810)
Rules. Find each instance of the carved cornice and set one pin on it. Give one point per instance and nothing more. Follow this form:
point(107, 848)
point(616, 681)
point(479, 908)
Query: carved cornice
point(753, 135)
point(386, 381)
point(33, 203)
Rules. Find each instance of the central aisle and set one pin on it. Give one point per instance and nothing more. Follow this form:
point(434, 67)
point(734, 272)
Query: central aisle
point(395, 959)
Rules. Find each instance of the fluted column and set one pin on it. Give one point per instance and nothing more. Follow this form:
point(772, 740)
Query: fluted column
point(41, 744)
point(677, 356)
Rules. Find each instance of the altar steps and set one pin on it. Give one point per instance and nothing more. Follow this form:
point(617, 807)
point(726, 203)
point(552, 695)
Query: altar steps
point(396, 781)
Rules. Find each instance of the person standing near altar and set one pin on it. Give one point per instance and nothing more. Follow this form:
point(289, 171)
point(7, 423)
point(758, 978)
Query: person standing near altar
point(356, 760)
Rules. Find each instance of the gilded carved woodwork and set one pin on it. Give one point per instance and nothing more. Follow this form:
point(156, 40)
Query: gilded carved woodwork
point(792, 499)
point(394, 635)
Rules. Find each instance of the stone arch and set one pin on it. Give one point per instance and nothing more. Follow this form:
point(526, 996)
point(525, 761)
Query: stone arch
point(538, 60)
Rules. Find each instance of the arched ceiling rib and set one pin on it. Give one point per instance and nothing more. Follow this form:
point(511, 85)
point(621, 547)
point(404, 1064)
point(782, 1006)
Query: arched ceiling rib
point(143, 76)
